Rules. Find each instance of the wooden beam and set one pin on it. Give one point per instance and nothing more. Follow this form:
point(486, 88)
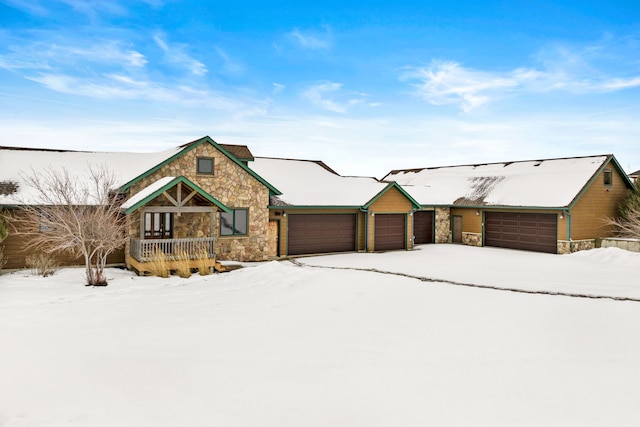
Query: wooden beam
point(175, 209)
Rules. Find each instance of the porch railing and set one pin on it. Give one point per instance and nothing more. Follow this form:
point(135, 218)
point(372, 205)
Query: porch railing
point(143, 250)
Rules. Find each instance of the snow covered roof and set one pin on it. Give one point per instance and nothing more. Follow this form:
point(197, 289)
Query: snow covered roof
point(311, 183)
point(146, 192)
point(534, 183)
point(18, 163)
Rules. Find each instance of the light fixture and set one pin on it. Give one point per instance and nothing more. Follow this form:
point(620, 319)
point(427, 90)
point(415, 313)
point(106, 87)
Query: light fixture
point(477, 211)
point(561, 215)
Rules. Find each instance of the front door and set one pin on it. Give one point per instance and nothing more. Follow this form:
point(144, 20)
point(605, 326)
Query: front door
point(158, 225)
point(457, 229)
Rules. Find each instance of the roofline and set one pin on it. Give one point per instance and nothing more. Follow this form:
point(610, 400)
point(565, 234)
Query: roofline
point(610, 159)
point(190, 146)
point(313, 207)
point(171, 184)
point(318, 162)
point(387, 188)
point(396, 171)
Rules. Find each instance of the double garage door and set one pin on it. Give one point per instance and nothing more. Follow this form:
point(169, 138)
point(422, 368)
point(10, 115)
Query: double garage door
point(527, 231)
point(324, 233)
point(321, 233)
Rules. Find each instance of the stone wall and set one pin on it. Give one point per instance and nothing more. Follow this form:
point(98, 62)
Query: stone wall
point(231, 185)
point(443, 225)
point(472, 239)
point(626, 244)
point(568, 247)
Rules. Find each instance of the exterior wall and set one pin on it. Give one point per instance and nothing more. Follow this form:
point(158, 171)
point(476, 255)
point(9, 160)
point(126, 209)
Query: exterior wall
point(16, 252)
point(597, 203)
point(471, 220)
point(632, 245)
point(568, 247)
point(281, 214)
point(471, 239)
point(234, 187)
point(443, 225)
point(392, 201)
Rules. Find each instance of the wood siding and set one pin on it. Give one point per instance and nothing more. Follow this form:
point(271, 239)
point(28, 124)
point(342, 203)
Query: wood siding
point(598, 202)
point(16, 253)
point(392, 201)
point(471, 223)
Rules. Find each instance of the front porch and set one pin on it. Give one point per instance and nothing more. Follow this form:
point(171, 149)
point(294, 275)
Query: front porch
point(195, 253)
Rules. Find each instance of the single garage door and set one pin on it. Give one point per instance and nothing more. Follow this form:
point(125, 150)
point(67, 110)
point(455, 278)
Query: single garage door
point(390, 231)
point(528, 231)
point(423, 227)
point(321, 233)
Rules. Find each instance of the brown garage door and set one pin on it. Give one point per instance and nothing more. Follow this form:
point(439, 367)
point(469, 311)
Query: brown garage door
point(423, 227)
point(321, 233)
point(528, 231)
point(390, 231)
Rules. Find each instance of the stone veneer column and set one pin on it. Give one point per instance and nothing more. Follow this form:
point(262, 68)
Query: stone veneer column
point(443, 225)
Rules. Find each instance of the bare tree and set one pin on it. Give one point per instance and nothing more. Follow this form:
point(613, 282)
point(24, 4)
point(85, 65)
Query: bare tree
point(627, 223)
point(76, 216)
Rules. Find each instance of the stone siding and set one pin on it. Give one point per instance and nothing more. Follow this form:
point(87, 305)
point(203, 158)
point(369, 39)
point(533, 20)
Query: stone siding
point(231, 185)
point(568, 247)
point(443, 225)
point(632, 245)
point(472, 239)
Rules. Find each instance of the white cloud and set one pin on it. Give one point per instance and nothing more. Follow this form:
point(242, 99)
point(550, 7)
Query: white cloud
point(323, 95)
point(311, 39)
point(177, 54)
point(447, 82)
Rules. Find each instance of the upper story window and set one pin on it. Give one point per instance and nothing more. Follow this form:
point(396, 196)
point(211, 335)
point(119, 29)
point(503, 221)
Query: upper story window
point(607, 177)
point(205, 165)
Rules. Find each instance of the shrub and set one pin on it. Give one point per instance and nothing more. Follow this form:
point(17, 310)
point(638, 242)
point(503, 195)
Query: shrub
point(202, 263)
point(41, 264)
point(3, 259)
point(159, 265)
point(183, 264)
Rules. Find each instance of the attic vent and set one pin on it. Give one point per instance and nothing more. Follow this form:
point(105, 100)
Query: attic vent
point(8, 187)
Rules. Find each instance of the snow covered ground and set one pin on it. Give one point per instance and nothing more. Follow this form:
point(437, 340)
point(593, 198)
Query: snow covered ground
point(280, 344)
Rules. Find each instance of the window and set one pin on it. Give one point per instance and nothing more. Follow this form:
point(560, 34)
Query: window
point(205, 165)
point(158, 225)
point(234, 223)
point(608, 177)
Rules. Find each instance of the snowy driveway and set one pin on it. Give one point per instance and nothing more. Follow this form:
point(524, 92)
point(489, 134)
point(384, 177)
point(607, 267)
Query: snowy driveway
point(607, 272)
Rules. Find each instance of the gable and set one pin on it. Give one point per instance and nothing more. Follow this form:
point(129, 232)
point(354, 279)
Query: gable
point(162, 186)
point(192, 146)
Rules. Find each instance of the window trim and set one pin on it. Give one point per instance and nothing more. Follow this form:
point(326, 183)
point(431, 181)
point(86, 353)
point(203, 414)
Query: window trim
point(199, 172)
point(233, 225)
point(607, 177)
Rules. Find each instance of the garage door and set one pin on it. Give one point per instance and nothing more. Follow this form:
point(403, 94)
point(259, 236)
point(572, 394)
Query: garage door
point(423, 227)
point(321, 233)
point(390, 231)
point(528, 231)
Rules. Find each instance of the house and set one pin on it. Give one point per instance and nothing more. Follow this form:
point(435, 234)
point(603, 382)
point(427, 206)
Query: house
point(321, 211)
point(551, 205)
point(634, 176)
point(219, 202)
point(198, 197)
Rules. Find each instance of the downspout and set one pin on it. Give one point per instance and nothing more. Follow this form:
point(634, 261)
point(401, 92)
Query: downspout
point(366, 229)
point(567, 213)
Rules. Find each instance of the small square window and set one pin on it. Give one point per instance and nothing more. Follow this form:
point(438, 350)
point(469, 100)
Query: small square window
point(607, 177)
point(205, 165)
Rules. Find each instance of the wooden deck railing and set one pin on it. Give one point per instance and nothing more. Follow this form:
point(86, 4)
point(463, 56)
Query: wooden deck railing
point(143, 249)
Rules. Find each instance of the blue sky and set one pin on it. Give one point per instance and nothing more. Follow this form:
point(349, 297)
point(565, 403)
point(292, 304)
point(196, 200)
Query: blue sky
point(365, 86)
